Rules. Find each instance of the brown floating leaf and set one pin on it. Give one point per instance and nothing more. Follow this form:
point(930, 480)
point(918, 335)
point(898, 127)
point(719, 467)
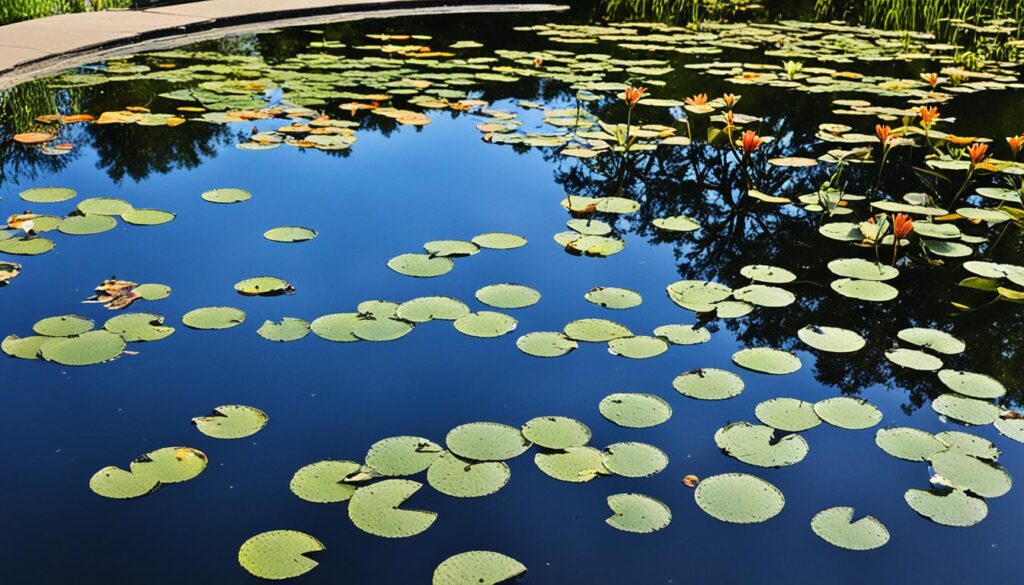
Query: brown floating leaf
point(115, 294)
point(691, 481)
point(31, 138)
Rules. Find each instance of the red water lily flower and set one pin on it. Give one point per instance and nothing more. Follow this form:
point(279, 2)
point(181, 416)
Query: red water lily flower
point(698, 100)
point(634, 94)
point(977, 152)
point(1015, 143)
point(750, 141)
point(902, 225)
point(884, 133)
point(928, 115)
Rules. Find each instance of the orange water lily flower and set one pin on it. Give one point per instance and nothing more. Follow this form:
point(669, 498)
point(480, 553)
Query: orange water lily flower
point(884, 133)
point(750, 141)
point(902, 225)
point(977, 152)
point(698, 100)
point(537, 61)
point(1015, 143)
point(931, 78)
point(928, 115)
point(730, 120)
point(730, 100)
point(634, 94)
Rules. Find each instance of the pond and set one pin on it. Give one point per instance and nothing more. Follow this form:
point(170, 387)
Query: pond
point(689, 307)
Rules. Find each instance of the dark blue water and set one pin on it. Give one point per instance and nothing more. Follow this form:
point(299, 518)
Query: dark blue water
point(59, 425)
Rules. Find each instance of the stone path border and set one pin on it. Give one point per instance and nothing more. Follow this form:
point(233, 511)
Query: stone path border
point(43, 46)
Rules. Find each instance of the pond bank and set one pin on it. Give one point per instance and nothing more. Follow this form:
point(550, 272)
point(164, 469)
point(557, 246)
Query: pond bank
point(36, 47)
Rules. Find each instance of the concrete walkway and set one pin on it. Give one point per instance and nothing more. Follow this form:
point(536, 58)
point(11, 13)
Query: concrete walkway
point(37, 47)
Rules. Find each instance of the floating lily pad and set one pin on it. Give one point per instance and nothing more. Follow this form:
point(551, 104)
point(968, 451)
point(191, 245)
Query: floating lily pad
point(377, 309)
point(769, 274)
point(170, 464)
point(486, 441)
point(739, 498)
point(966, 410)
point(767, 360)
point(933, 339)
point(451, 248)
point(831, 339)
point(287, 329)
point(63, 326)
point(485, 324)
point(847, 412)
point(86, 225)
point(972, 384)
point(861, 269)
point(137, 327)
point(611, 297)
point(227, 196)
point(477, 568)
point(637, 347)
point(764, 296)
point(1011, 427)
point(290, 234)
point(698, 295)
point(635, 411)
point(836, 527)
point(104, 206)
point(423, 309)
point(841, 231)
point(400, 456)
point(556, 432)
point(381, 329)
point(26, 348)
point(420, 265)
point(264, 286)
point(339, 327)
point(970, 474)
point(375, 509)
point(589, 227)
point(787, 414)
point(968, 444)
point(147, 216)
point(634, 459)
point(508, 296)
point(683, 334)
point(546, 344)
point(865, 290)
point(676, 223)
point(26, 246)
point(909, 443)
point(953, 509)
point(638, 513)
point(596, 330)
point(279, 554)
point(460, 478)
point(47, 194)
point(152, 292)
point(213, 318)
point(708, 384)
point(914, 359)
point(92, 347)
point(760, 445)
point(499, 241)
point(323, 482)
point(116, 483)
point(231, 421)
point(574, 464)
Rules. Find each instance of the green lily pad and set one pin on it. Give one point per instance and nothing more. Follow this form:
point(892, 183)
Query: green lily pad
point(287, 329)
point(682, 334)
point(381, 329)
point(865, 290)
point(634, 459)
point(1011, 427)
point(635, 411)
point(451, 248)
point(933, 339)
point(137, 327)
point(708, 384)
point(860, 269)
point(611, 297)
point(499, 241)
point(264, 286)
point(556, 432)
point(508, 296)
point(170, 464)
point(847, 412)
point(485, 324)
point(638, 513)
point(377, 309)
point(618, 205)
point(970, 474)
point(676, 223)
point(914, 359)
point(374, 509)
point(25, 348)
point(477, 567)
point(423, 309)
point(546, 344)
point(92, 347)
point(589, 227)
point(323, 482)
point(63, 326)
point(637, 347)
point(401, 456)
point(767, 360)
point(573, 465)
point(152, 292)
point(698, 295)
point(231, 421)
point(966, 410)
point(831, 339)
point(953, 509)
point(114, 482)
point(338, 327)
point(279, 554)
point(486, 441)
point(290, 234)
point(769, 274)
point(26, 246)
point(104, 206)
point(908, 443)
point(596, 330)
point(420, 265)
point(972, 384)
point(227, 196)
point(213, 318)
point(947, 249)
point(968, 444)
point(759, 445)
point(460, 478)
point(787, 414)
point(147, 217)
point(47, 194)
point(841, 231)
point(739, 498)
point(86, 225)
point(764, 296)
point(836, 527)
